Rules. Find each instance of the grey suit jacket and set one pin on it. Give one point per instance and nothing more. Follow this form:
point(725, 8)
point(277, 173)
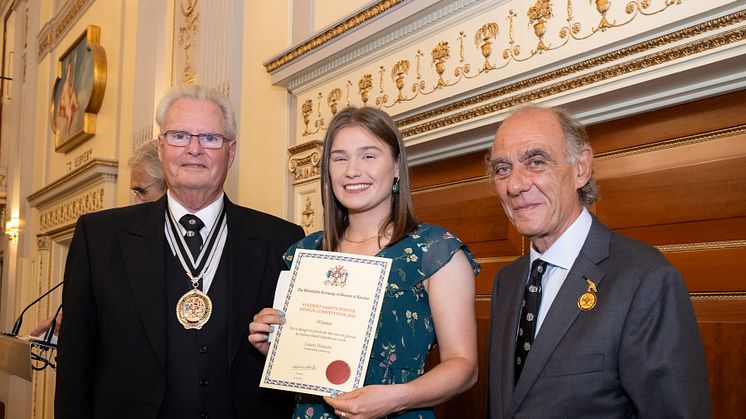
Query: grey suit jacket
point(637, 353)
point(112, 348)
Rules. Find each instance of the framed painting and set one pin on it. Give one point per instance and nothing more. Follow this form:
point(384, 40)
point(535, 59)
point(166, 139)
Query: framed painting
point(78, 91)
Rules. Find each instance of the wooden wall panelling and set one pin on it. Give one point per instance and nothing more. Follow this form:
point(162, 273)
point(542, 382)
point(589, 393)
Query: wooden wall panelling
point(471, 403)
point(704, 191)
point(473, 211)
point(712, 270)
point(704, 230)
point(460, 168)
point(672, 199)
point(686, 119)
point(722, 323)
point(726, 366)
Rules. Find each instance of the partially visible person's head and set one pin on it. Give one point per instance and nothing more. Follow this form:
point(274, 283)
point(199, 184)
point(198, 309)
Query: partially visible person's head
point(541, 165)
point(146, 175)
point(196, 144)
point(363, 163)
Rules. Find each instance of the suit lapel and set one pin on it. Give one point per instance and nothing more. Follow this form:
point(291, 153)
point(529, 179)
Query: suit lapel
point(247, 254)
point(513, 299)
point(143, 246)
point(564, 309)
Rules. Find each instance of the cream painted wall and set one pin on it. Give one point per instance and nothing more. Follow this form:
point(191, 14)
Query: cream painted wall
point(327, 12)
point(11, 387)
point(263, 123)
point(125, 56)
point(265, 120)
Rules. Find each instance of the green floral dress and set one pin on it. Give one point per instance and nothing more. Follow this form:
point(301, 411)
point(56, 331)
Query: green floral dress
point(405, 330)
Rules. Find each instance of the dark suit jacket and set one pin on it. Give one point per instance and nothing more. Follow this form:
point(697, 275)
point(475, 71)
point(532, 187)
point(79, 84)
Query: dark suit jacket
point(638, 353)
point(112, 347)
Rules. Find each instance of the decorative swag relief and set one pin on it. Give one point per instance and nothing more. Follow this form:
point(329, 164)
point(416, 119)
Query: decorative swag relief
point(69, 211)
point(493, 44)
point(187, 45)
point(305, 161)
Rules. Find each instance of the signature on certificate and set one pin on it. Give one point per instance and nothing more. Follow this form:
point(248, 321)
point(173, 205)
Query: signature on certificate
point(308, 367)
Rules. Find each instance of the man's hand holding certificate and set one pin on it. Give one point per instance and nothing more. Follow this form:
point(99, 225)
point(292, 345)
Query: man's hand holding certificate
point(331, 308)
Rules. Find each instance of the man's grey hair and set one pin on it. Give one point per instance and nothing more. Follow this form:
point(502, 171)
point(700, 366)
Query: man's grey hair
point(575, 139)
point(197, 92)
point(147, 156)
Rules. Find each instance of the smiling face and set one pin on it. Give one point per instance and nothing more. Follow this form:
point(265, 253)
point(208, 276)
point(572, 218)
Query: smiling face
point(195, 175)
point(362, 170)
point(536, 183)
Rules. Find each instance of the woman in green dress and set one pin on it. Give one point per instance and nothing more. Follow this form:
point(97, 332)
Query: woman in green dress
point(430, 291)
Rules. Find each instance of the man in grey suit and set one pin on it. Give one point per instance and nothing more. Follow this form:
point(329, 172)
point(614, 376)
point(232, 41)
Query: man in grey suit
point(589, 324)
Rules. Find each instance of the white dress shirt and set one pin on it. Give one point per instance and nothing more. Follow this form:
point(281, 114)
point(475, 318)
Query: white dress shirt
point(561, 256)
point(209, 216)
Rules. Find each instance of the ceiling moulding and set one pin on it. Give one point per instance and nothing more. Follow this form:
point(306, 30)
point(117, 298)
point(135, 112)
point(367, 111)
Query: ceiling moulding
point(54, 30)
point(621, 63)
point(712, 34)
point(653, 82)
point(464, 72)
point(359, 35)
point(475, 54)
point(360, 39)
point(357, 20)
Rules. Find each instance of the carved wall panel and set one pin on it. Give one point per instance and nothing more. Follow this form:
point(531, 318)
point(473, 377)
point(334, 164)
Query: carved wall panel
point(305, 161)
point(206, 43)
point(43, 382)
point(307, 210)
point(187, 41)
point(304, 165)
point(503, 42)
point(60, 24)
point(89, 188)
point(66, 213)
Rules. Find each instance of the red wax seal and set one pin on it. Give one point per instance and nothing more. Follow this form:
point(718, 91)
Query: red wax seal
point(337, 372)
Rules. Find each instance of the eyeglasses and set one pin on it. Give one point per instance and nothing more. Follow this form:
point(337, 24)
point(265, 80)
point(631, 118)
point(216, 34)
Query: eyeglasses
point(183, 138)
point(141, 192)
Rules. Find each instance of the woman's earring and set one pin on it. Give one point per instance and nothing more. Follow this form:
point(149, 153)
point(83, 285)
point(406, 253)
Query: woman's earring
point(395, 187)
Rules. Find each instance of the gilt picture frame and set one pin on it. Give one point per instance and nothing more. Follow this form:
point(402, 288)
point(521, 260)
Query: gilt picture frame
point(78, 91)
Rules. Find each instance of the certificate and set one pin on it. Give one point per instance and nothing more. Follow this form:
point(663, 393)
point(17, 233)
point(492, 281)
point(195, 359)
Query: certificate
point(331, 309)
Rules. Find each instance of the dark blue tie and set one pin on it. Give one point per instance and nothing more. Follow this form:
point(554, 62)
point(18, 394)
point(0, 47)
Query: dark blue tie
point(529, 312)
point(193, 239)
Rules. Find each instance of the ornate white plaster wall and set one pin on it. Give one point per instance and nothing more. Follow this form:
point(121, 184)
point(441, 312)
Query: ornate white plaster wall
point(449, 70)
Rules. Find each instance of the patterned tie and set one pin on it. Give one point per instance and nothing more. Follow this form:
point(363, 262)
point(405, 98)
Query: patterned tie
point(527, 326)
point(193, 239)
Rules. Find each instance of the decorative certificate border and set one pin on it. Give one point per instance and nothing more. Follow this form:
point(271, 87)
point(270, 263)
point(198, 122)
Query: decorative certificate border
point(382, 264)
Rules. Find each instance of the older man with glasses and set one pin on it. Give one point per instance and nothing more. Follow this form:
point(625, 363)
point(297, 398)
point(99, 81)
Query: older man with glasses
point(146, 175)
point(158, 297)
